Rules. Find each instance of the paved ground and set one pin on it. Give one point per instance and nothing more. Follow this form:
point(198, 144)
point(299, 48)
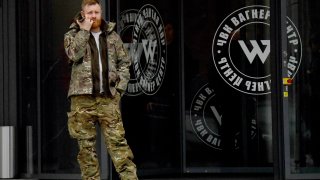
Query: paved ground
point(214, 177)
point(235, 177)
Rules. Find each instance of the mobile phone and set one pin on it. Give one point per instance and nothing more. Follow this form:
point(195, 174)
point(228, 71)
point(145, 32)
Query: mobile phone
point(82, 19)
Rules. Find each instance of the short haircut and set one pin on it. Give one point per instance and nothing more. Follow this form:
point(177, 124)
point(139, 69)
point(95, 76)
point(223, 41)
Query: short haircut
point(89, 2)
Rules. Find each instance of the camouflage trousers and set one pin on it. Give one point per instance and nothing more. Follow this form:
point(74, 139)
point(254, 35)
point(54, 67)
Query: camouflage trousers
point(86, 111)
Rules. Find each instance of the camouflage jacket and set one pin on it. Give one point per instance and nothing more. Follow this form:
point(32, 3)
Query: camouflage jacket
point(78, 51)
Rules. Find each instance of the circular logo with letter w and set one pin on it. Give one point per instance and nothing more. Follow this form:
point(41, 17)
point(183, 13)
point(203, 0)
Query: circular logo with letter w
point(241, 50)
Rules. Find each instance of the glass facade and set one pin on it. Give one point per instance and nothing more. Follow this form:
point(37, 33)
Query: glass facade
point(227, 98)
point(302, 146)
point(199, 99)
point(150, 106)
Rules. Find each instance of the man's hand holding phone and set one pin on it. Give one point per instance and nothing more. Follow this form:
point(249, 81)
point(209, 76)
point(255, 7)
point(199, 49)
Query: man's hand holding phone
point(85, 23)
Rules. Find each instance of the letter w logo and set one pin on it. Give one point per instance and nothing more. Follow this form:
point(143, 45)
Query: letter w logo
point(256, 50)
point(149, 53)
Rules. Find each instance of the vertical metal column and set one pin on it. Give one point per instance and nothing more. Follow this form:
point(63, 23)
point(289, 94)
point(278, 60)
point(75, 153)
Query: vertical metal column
point(8, 88)
point(8, 73)
point(278, 46)
point(30, 168)
point(1, 65)
point(7, 152)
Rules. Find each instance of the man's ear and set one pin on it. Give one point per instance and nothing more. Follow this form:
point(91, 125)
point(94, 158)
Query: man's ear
point(82, 14)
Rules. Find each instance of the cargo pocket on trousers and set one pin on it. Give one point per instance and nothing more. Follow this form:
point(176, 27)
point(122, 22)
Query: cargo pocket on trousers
point(74, 126)
point(116, 107)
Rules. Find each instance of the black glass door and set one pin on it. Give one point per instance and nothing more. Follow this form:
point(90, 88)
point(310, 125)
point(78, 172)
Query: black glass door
point(57, 151)
point(301, 92)
point(227, 119)
point(150, 107)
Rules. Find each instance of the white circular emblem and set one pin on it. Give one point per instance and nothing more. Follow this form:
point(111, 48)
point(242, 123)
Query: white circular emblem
point(126, 25)
point(149, 63)
point(241, 50)
point(207, 118)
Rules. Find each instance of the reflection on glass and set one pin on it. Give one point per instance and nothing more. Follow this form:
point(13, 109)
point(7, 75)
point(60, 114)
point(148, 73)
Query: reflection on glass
point(304, 96)
point(150, 106)
point(227, 83)
point(58, 150)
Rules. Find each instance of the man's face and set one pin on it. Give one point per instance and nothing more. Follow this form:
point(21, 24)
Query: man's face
point(93, 12)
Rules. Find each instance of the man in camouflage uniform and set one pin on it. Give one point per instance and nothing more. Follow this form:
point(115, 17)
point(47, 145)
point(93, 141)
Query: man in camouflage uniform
point(100, 73)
